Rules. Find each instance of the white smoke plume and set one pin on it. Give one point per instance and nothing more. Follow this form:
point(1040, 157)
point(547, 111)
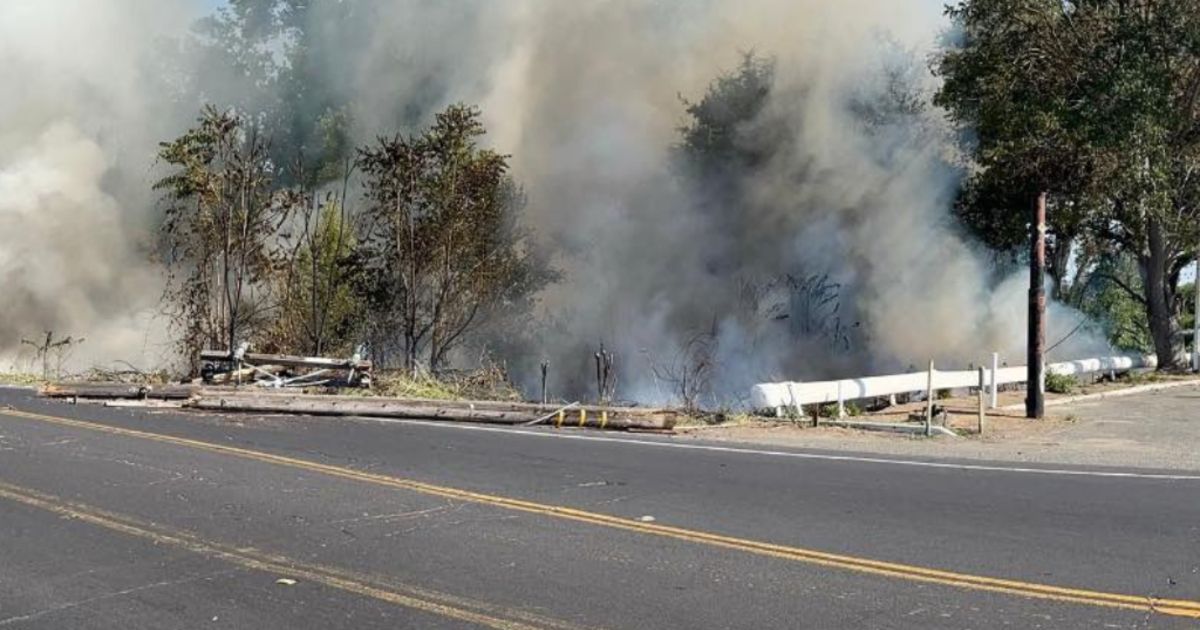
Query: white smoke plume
point(586, 98)
point(81, 112)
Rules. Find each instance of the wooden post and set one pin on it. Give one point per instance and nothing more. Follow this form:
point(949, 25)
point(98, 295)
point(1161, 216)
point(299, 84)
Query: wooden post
point(545, 369)
point(599, 378)
point(1035, 400)
point(981, 395)
point(929, 403)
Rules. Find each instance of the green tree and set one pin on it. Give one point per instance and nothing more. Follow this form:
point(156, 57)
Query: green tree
point(715, 143)
point(443, 250)
point(1096, 103)
point(1110, 299)
point(265, 57)
point(319, 311)
point(217, 232)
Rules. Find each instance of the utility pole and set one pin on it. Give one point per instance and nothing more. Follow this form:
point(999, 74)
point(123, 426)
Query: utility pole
point(1035, 404)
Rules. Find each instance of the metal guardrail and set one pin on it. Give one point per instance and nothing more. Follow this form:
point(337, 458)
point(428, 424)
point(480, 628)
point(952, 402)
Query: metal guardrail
point(792, 395)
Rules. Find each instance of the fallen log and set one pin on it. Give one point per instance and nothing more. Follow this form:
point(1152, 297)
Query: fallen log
point(404, 409)
point(92, 390)
point(116, 391)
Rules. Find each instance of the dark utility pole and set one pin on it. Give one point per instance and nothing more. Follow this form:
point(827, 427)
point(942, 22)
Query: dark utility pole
point(1035, 404)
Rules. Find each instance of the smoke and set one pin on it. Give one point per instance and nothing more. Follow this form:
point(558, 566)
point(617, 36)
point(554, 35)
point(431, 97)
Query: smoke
point(81, 118)
point(586, 98)
point(836, 256)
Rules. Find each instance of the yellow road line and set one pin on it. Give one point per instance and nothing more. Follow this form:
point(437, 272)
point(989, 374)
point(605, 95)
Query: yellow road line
point(425, 600)
point(1174, 607)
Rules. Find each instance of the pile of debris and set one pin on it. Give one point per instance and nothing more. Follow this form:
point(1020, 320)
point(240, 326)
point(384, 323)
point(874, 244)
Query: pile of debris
point(254, 383)
point(281, 370)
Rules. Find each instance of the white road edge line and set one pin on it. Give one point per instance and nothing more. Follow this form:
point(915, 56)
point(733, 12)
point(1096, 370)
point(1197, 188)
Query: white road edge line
point(790, 454)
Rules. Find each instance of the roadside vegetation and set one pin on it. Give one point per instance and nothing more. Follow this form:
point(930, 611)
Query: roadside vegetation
point(1096, 104)
point(279, 227)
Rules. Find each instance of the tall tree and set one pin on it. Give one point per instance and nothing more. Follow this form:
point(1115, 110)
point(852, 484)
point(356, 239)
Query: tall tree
point(1095, 102)
point(317, 271)
point(216, 236)
point(442, 245)
point(267, 57)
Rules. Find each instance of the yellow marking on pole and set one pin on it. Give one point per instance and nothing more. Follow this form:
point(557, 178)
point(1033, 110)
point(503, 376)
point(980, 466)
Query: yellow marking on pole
point(603, 418)
point(1173, 607)
point(582, 416)
point(414, 597)
point(561, 415)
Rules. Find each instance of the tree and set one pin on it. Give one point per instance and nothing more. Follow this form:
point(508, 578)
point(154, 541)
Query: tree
point(266, 57)
point(720, 146)
point(318, 308)
point(1107, 299)
point(1095, 102)
point(714, 142)
point(216, 236)
point(442, 247)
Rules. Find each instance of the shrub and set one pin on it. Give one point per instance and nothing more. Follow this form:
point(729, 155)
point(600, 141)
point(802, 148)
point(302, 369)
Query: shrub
point(1060, 383)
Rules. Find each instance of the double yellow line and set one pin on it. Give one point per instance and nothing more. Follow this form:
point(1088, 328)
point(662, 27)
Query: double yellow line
point(390, 591)
point(1174, 607)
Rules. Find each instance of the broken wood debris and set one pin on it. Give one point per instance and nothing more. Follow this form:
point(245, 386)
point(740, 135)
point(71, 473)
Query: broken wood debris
point(287, 360)
point(272, 370)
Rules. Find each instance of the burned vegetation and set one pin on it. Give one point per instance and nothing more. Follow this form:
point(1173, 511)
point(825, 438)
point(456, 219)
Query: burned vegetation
point(413, 247)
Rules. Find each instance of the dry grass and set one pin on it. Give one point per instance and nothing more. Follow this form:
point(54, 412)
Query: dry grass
point(20, 378)
point(487, 383)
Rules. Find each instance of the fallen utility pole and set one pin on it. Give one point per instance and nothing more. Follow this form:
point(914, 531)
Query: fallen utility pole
point(115, 391)
point(1035, 403)
point(463, 411)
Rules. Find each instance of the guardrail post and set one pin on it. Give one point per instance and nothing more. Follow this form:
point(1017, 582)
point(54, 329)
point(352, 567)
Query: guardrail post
point(981, 412)
point(929, 403)
point(841, 402)
point(995, 379)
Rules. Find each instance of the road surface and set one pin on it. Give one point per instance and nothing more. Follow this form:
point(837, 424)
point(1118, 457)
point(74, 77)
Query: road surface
point(123, 518)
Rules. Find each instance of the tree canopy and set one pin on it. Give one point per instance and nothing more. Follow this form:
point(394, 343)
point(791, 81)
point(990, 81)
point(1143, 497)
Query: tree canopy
point(1094, 102)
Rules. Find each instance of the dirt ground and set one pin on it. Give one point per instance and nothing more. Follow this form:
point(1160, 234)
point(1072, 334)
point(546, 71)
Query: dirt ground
point(1153, 430)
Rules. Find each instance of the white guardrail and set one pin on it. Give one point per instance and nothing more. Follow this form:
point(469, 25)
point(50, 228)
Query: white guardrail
point(781, 396)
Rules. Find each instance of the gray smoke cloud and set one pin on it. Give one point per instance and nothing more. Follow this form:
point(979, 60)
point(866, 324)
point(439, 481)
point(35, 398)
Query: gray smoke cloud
point(82, 113)
point(586, 98)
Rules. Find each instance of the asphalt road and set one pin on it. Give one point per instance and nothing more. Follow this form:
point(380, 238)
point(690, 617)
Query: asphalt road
point(121, 518)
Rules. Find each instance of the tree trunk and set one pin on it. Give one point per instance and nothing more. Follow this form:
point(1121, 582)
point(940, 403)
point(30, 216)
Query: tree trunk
point(1164, 327)
point(1057, 260)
